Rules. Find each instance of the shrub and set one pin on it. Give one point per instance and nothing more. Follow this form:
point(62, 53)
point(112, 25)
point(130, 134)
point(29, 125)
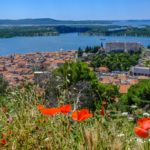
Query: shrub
point(75, 83)
point(138, 94)
point(3, 86)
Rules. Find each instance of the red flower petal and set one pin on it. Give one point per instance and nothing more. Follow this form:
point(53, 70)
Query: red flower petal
point(65, 108)
point(80, 115)
point(50, 111)
point(2, 141)
point(84, 117)
point(74, 115)
point(144, 123)
point(40, 107)
point(141, 132)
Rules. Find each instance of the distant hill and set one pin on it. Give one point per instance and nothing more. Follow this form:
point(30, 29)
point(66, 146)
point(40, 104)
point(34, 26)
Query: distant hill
point(48, 21)
point(28, 21)
point(53, 22)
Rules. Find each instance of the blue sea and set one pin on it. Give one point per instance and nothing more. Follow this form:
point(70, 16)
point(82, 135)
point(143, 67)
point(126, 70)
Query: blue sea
point(69, 41)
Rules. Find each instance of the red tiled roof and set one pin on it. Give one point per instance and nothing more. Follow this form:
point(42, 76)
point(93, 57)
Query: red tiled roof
point(123, 88)
point(102, 69)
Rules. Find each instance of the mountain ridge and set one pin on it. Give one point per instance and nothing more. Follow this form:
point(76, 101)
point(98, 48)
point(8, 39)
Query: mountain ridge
point(49, 21)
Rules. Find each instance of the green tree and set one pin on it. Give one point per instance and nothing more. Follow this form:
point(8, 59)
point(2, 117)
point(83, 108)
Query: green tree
point(3, 86)
point(115, 61)
point(75, 83)
point(138, 94)
point(72, 72)
point(105, 92)
point(64, 80)
point(80, 52)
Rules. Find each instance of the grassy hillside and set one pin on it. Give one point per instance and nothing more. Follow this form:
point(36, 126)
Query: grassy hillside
point(101, 125)
point(22, 126)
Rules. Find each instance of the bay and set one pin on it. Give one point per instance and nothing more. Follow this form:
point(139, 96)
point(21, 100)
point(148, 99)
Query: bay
point(69, 41)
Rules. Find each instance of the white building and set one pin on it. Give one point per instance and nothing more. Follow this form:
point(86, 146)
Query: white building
point(140, 71)
point(123, 47)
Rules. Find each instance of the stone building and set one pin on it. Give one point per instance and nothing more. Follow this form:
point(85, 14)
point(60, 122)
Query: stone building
point(123, 47)
point(140, 71)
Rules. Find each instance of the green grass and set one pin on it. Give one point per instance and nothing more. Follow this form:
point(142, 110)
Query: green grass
point(31, 130)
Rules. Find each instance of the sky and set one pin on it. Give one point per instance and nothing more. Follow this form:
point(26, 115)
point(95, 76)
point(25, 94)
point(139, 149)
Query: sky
point(75, 9)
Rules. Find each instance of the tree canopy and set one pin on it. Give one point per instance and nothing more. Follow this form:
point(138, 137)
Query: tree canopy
point(138, 94)
point(83, 85)
point(72, 72)
point(3, 85)
point(116, 61)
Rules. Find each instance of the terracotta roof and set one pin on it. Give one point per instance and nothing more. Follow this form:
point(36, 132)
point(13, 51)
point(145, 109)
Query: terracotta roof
point(134, 81)
point(106, 80)
point(19, 69)
point(102, 69)
point(123, 88)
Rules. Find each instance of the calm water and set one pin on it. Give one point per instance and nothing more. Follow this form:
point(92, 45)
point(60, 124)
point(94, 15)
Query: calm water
point(64, 41)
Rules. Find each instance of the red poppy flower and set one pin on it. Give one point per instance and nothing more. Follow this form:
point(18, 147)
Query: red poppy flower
point(80, 115)
point(50, 111)
point(141, 132)
point(102, 111)
point(2, 141)
point(65, 108)
point(144, 123)
point(40, 107)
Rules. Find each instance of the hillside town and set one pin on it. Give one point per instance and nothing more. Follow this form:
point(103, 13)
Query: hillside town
point(124, 80)
point(19, 68)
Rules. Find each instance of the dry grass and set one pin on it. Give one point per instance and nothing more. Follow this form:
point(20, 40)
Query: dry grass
point(29, 129)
